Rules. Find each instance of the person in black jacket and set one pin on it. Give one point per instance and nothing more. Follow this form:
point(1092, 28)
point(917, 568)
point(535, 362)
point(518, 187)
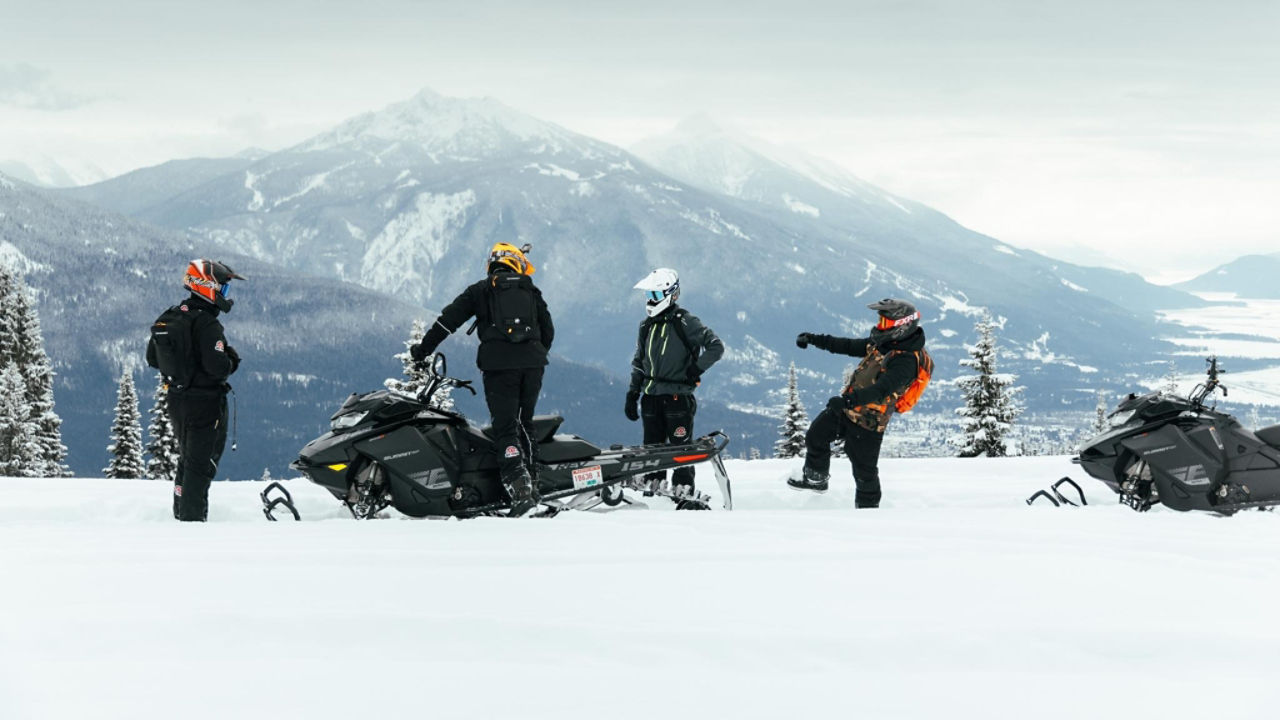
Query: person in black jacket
point(673, 350)
point(515, 336)
point(189, 348)
point(859, 415)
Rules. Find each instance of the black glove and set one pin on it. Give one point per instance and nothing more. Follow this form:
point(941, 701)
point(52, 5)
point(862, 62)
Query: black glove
point(693, 375)
point(803, 340)
point(837, 404)
point(632, 408)
point(418, 352)
point(234, 357)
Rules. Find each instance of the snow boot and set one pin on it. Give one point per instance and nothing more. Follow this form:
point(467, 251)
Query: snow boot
point(809, 479)
point(520, 488)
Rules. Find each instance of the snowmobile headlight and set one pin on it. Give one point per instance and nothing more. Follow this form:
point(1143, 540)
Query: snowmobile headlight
point(342, 422)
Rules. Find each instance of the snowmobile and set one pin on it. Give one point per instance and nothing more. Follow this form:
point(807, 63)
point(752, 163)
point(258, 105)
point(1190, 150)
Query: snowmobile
point(387, 448)
point(1185, 454)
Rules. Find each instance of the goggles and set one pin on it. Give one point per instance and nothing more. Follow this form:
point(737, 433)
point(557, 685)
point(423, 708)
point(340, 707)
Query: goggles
point(224, 289)
point(889, 323)
point(655, 296)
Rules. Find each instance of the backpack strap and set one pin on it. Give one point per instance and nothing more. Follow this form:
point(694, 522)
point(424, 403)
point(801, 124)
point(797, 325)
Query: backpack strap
point(677, 318)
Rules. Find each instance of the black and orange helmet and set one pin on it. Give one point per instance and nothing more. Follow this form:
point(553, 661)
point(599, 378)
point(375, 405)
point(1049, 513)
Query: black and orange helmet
point(210, 280)
point(898, 318)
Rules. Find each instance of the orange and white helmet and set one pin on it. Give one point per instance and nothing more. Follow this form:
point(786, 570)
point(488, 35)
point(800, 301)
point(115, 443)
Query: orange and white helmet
point(510, 256)
point(210, 280)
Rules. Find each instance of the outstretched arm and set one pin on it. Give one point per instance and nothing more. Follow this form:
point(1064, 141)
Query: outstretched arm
point(452, 317)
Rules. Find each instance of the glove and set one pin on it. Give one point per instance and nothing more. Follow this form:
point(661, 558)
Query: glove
point(803, 340)
point(693, 375)
point(418, 352)
point(632, 408)
point(837, 404)
point(234, 357)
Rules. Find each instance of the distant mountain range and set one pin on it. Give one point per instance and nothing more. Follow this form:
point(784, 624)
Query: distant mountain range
point(46, 172)
point(1251, 276)
point(307, 342)
point(406, 201)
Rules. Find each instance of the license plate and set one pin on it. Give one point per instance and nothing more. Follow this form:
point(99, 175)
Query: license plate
point(587, 477)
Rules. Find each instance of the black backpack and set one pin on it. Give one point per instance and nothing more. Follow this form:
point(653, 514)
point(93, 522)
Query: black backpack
point(513, 308)
point(175, 358)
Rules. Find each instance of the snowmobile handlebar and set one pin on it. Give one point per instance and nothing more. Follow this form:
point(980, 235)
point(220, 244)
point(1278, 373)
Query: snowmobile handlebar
point(1209, 386)
point(437, 372)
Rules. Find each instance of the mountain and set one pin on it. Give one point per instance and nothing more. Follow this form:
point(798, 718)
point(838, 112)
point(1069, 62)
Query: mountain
point(1251, 276)
point(704, 154)
point(138, 190)
point(45, 172)
point(407, 201)
point(307, 342)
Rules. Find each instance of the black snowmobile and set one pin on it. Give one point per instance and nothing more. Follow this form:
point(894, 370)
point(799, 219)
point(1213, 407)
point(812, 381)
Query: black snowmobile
point(392, 449)
point(1185, 454)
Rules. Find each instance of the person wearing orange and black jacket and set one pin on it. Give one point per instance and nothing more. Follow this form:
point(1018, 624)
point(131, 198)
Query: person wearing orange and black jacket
point(673, 350)
point(861, 413)
point(189, 347)
point(516, 333)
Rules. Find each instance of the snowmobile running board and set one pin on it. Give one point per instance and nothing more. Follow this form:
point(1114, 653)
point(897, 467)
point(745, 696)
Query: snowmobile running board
point(1055, 496)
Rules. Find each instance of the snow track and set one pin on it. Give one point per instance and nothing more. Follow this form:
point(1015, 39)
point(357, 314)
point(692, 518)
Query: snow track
point(954, 600)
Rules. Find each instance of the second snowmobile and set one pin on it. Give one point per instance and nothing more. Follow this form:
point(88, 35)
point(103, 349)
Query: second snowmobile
point(1185, 455)
point(392, 449)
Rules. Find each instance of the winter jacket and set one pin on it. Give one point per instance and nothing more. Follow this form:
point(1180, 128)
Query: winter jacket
point(496, 353)
point(215, 360)
point(885, 372)
point(672, 351)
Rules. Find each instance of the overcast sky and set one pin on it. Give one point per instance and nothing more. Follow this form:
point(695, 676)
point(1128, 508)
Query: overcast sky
point(1143, 135)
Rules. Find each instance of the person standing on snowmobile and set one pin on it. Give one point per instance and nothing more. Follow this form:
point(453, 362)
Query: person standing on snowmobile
point(190, 350)
point(673, 350)
point(515, 336)
point(892, 358)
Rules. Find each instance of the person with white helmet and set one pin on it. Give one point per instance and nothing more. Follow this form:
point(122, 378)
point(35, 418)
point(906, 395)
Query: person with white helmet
point(673, 350)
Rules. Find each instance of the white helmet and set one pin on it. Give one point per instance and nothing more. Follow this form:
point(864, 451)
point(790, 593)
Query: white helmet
point(661, 288)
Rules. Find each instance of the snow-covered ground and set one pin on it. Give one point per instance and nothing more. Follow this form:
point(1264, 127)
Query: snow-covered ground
point(954, 600)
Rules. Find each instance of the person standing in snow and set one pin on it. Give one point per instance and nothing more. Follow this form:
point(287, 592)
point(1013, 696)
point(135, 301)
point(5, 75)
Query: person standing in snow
point(515, 336)
point(673, 350)
point(189, 348)
point(892, 357)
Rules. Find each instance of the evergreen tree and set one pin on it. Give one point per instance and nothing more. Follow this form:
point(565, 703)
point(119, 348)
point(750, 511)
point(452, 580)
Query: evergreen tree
point(755, 453)
point(795, 421)
point(126, 434)
point(1255, 418)
point(1100, 424)
point(22, 343)
point(19, 447)
point(990, 399)
point(1170, 385)
point(417, 376)
point(162, 443)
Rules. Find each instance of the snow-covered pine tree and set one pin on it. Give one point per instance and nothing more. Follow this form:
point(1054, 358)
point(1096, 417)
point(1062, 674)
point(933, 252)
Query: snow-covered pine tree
point(22, 343)
point(415, 376)
point(1100, 414)
point(126, 434)
point(990, 398)
point(162, 443)
point(19, 447)
point(1170, 385)
point(795, 421)
point(755, 453)
point(1255, 418)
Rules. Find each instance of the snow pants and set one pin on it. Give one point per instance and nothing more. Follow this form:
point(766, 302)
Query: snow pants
point(862, 446)
point(199, 420)
point(512, 396)
point(669, 419)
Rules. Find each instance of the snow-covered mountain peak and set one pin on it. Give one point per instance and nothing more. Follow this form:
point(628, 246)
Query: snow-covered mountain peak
point(455, 128)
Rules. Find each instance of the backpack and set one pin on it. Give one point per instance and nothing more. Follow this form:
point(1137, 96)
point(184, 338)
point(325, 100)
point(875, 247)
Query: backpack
point(911, 395)
point(513, 308)
point(171, 335)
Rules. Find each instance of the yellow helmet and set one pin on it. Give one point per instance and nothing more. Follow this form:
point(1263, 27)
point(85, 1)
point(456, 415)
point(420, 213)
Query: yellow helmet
point(512, 257)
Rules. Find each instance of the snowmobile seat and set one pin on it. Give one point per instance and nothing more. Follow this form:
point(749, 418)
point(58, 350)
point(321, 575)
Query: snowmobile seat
point(1269, 435)
point(543, 429)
